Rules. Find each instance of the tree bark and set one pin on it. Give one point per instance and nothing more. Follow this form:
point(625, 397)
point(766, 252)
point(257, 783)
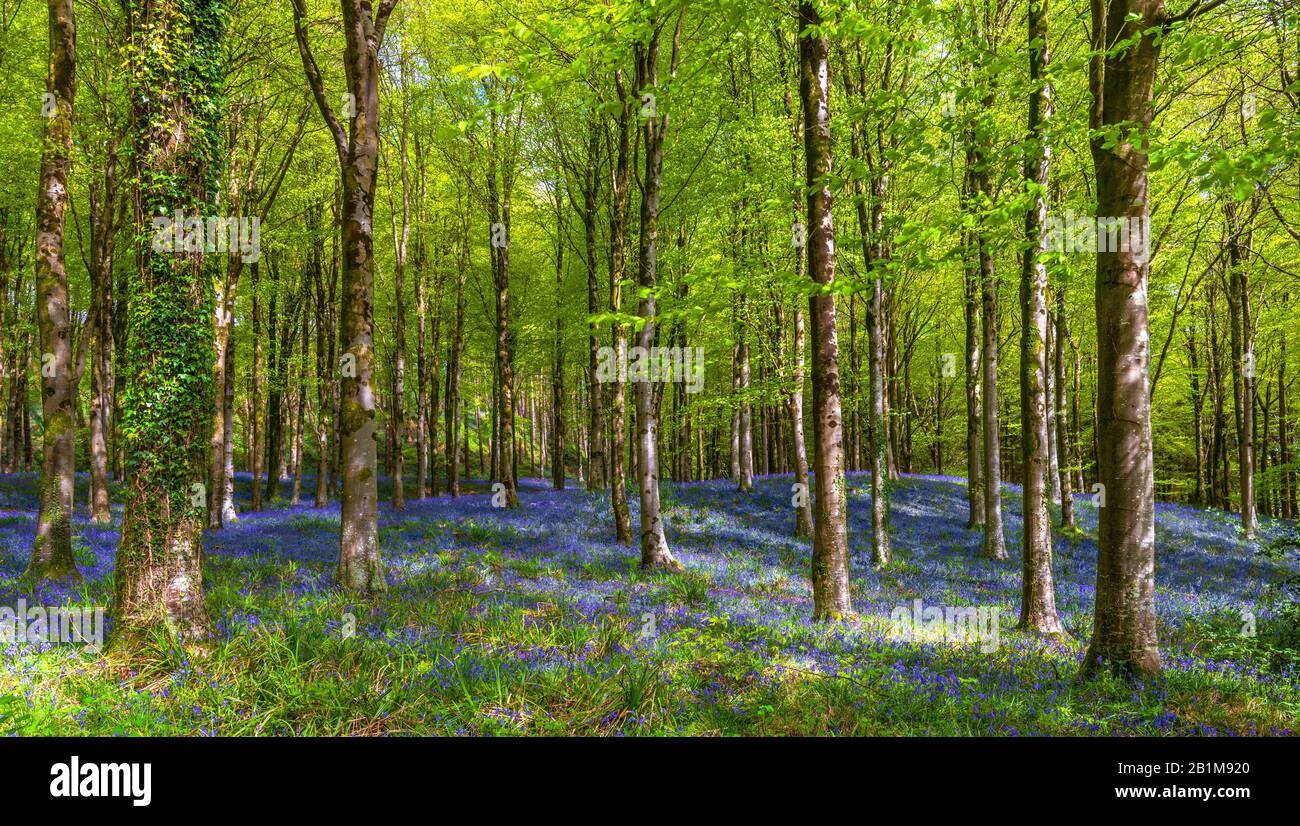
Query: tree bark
point(830, 562)
point(619, 194)
point(654, 545)
point(52, 551)
point(1124, 631)
point(167, 388)
point(1038, 591)
point(360, 569)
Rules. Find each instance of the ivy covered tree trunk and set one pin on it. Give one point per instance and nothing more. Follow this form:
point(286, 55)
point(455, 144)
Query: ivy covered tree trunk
point(360, 569)
point(830, 560)
point(176, 54)
point(654, 545)
point(52, 552)
point(1038, 592)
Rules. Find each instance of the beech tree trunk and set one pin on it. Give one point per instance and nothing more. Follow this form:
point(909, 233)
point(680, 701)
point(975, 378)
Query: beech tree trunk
point(995, 546)
point(619, 194)
point(803, 524)
point(1120, 82)
point(1038, 589)
point(1064, 458)
point(830, 560)
point(971, 314)
point(360, 569)
point(104, 221)
point(52, 551)
point(1243, 360)
point(501, 147)
point(455, 349)
point(654, 545)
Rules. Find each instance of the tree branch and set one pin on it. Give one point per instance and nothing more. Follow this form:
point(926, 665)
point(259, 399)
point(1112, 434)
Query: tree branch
point(317, 83)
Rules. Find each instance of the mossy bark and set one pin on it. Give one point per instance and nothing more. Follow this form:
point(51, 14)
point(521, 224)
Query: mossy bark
point(175, 50)
point(52, 551)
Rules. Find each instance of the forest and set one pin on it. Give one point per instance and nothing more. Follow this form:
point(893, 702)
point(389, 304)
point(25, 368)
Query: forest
point(631, 367)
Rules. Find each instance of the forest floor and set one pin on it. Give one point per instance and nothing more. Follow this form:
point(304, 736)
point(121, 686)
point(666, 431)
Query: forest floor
point(534, 621)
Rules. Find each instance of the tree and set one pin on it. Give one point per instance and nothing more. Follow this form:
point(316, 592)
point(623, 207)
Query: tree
point(360, 568)
point(621, 176)
point(1038, 592)
point(175, 53)
point(830, 562)
point(52, 551)
point(654, 545)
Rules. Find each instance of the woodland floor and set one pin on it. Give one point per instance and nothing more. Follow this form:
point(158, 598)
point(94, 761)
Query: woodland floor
point(533, 622)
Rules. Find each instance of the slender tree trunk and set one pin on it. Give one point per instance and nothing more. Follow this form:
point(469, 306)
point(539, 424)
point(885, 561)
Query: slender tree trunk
point(104, 208)
point(500, 158)
point(300, 405)
point(227, 502)
point(1243, 362)
point(971, 310)
point(830, 562)
point(1286, 477)
point(360, 569)
point(455, 349)
point(255, 382)
point(1038, 592)
point(654, 545)
point(598, 474)
point(1064, 458)
point(995, 546)
point(557, 368)
point(619, 193)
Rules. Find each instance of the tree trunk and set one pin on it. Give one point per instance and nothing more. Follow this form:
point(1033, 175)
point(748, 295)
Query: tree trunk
point(619, 194)
point(168, 379)
point(360, 569)
point(1243, 361)
point(995, 546)
point(830, 562)
point(104, 225)
point(455, 350)
point(1064, 458)
point(52, 551)
point(1038, 591)
point(971, 312)
point(654, 545)
point(1124, 631)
